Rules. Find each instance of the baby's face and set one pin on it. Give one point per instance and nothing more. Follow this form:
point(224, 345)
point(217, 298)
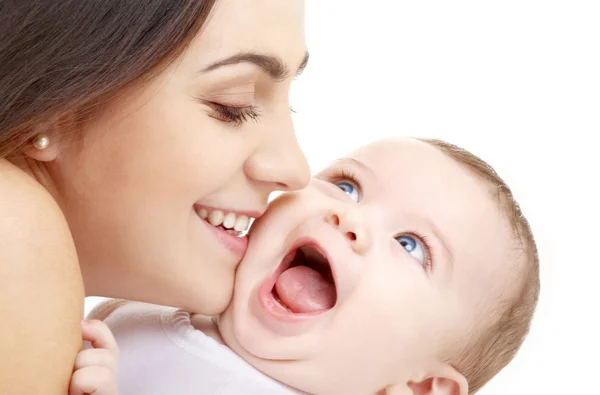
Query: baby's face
point(357, 282)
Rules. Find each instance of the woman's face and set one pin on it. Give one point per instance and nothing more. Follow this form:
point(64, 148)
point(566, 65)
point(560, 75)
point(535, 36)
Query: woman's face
point(211, 135)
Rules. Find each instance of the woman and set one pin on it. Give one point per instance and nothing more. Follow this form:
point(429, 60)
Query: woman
point(132, 133)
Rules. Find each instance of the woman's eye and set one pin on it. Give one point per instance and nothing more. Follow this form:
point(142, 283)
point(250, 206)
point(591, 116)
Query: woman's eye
point(234, 115)
point(349, 189)
point(413, 246)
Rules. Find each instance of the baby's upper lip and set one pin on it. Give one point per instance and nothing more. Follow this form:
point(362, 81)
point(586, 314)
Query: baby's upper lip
point(330, 260)
point(320, 247)
point(329, 243)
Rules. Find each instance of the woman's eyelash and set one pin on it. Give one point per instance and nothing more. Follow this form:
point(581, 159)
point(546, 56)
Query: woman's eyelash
point(235, 115)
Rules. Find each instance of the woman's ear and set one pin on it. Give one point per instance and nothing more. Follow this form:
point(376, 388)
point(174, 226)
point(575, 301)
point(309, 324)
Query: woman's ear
point(44, 146)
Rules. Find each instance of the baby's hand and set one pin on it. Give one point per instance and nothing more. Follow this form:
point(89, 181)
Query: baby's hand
point(96, 369)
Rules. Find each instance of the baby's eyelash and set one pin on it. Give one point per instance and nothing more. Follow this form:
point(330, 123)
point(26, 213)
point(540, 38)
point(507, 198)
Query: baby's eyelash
point(429, 259)
point(235, 115)
point(345, 175)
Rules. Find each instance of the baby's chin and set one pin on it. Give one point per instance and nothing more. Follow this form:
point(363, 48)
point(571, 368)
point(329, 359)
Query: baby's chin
point(231, 337)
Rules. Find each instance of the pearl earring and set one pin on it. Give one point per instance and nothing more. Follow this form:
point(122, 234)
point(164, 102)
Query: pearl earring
point(41, 141)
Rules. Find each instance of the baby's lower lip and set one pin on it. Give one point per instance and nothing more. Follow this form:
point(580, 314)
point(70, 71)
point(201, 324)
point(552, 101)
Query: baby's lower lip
point(276, 318)
point(274, 306)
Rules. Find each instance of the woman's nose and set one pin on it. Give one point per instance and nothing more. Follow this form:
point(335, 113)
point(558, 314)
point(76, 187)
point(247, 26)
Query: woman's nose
point(279, 161)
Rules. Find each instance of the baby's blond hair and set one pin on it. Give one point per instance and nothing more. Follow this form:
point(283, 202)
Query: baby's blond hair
point(491, 347)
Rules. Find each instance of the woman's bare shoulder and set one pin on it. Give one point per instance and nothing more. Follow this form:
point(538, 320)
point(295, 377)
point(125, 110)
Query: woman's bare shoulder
point(41, 289)
point(27, 209)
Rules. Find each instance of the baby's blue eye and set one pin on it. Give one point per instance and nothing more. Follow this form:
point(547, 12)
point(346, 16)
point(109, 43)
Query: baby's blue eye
point(413, 246)
point(349, 189)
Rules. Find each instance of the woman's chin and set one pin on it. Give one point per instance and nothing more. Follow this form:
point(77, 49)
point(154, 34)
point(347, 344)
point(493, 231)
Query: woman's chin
point(206, 299)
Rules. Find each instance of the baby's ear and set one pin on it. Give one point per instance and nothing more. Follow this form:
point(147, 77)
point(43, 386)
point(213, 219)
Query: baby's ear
point(446, 382)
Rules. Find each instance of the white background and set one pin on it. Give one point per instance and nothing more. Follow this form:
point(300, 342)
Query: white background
point(516, 82)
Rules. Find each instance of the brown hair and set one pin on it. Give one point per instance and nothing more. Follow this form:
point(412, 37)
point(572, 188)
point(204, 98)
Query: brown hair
point(488, 351)
point(60, 56)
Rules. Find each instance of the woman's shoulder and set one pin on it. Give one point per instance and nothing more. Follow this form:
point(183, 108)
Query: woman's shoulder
point(27, 209)
point(41, 289)
point(19, 190)
point(36, 246)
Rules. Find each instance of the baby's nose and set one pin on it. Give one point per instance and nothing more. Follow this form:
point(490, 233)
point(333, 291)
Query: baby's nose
point(351, 225)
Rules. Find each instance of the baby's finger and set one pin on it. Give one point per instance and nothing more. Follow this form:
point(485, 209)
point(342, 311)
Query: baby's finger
point(96, 357)
point(96, 380)
point(97, 333)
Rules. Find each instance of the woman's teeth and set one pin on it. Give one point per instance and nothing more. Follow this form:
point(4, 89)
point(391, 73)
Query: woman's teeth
point(229, 221)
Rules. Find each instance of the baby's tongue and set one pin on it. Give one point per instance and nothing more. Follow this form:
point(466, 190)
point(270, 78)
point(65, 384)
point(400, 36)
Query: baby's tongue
point(304, 290)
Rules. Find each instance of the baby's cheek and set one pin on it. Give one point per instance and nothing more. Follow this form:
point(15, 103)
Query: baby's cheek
point(399, 294)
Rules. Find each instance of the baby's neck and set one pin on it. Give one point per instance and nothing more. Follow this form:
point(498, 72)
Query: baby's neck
point(210, 327)
point(207, 325)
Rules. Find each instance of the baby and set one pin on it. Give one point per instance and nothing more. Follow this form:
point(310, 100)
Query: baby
point(404, 268)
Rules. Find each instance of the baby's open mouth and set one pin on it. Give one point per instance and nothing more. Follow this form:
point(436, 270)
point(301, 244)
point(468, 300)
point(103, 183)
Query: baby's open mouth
point(305, 283)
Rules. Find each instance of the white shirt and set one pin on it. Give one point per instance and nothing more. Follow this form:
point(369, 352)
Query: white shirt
point(161, 353)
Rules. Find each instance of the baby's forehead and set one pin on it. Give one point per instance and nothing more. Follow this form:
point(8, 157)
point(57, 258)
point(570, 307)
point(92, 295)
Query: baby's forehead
point(412, 168)
point(395, 156)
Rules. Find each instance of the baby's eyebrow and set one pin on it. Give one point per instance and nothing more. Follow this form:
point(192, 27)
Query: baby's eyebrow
point(355, 162)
